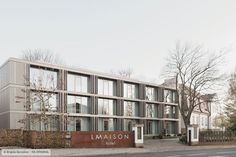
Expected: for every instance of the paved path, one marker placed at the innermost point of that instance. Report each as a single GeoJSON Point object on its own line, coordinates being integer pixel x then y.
{"type": "Point", "coordinates": [151, 146]}
{"type": "Point", "coordinates": [223, 152]}
{"type": "Point", "coordinates": [156, 145]}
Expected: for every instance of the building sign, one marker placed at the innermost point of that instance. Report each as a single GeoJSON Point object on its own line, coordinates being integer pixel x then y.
{"type": "Point", "coordinates": [100, 139]}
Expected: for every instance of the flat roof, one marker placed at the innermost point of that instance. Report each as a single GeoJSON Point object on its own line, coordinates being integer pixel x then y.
{"type": "Point", "coordinates": [85, 71]}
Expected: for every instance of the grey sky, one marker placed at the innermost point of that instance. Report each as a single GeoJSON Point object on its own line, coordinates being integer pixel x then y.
{"type": "Point", "coordinates": [113, 34]}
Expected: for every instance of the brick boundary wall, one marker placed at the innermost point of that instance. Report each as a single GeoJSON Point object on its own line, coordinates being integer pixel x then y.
{"type": "Point", "coordinates": [60, 139]}
{"type": "Point", "coordinates": [33, 139]}
{"type": "Point", "coordinates": [11, 137]}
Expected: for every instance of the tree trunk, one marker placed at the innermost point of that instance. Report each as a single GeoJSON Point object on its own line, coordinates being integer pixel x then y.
{"type": "Point", "coordinates": [186, 123]}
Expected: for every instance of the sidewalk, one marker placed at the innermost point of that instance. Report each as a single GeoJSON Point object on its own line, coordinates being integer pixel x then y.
{"type": "Point", "coordinates": [156, 145]}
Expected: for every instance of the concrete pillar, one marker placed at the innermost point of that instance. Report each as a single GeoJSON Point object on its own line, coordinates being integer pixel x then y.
{"type": "Point", "coordinates": [193, 134]}
{"type": "Point", "coordinates": [138, 135]}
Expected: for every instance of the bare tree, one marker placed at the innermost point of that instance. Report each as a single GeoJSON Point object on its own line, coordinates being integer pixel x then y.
{"type": "Point", "coordinates": [40, 90]}
{"type": "Point", "coordinates": [42, 55]}
{"type": "Point", "coordinates": [41, 105]}
{"type": "Point", "coordinates": [230, 108]}
{"type": "Point", "coordinates": [123, 72]}
{"type": "Point", "coordinates": [194, 73]}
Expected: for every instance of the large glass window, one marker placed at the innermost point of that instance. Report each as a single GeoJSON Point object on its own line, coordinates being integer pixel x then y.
{"type": "Point", "coordinates": [106, 87]}
{"type": "Point", "coordinates": [78, 124]}
{"type": "Point", "coordinates": [41, 101]}
{"type": "Point", "coordinates": [151, 94]}
{"type": "Point", "coordinates": [77, 104]}
{"type": "Point", "coordinates": [129, 123]}
{"type": "Point", "coordinates": [170, 127]}
{"type": "Point", "coordinates": [43, 78]}
{"type": "Point", "coordinates": [106, 106]}
{"type": "Point", "coordinates": [151, 110]}
{"type": "Point", "coordinates": [170, 111]}
{"type": "Point", "coordinates": [50, 123]}
{"type": "Point", "coordinates": [170, 96]}
{"type": "Point", "coordinates": [77, 83]}
{"type": "Point", "coordinates": [131, 109]}
{"type": "Point", "coordinates": [130, 91]}
{"type": "Point", "coordinates": [151, 127]}
{"type": "Point", "coordinates": [106, 124]}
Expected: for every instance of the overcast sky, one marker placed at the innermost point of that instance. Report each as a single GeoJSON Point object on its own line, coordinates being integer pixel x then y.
{"type": "Point", "coordinates": [113, 34]}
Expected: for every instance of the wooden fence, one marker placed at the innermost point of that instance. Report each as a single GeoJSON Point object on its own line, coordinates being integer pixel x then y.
{"type": "Point", "coordinates": [217, 137]}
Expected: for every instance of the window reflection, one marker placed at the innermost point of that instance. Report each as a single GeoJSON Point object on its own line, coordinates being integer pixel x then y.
{"type": "Point", "coordinates": [169, 96]}
{"type": "Point", "coordinates": [152, 127]}
{"type": "Point", "coordinates": [50, 124]}
{"type": "Point", "coordinates": [77, 83]}
{"type": "Point", "coordinates": [170, 127]}
{"type": "Point", "coordinates": [77, 104]}
{"type": "Point", "coordinates": [131, 109]}
{"type": "Point", "coordinates": [151, 110]}
{"type": "Point", "coordinates": [106, 106]}
{"type": "Point", "coordinates": [129, 123]}
{"type": "Point", "coordinates": [106, 124]}
{"type": "Point", "coordinates": [130, 91]}
{"type": "Point", "coordinates": [78, 124]}
{"type": "Point", "coordinates": [150, 94]}
{"type": "Point", "coordinates": [170, 111]}
{"type": "Point", "coordinates": [43, 78]}
{"type": "Point", "coordinates": [106, 87]}
{"type": "Point", "coordinates": [44, 101]}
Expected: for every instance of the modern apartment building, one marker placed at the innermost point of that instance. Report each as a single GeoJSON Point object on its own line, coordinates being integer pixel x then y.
{"type": "Point", "coordinates": [82, 100]}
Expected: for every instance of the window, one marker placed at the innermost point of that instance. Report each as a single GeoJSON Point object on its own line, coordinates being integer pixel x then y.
{"type": "Point", "coordinates": [151, 110]}
{"type": "Point", "coordinates": [198, 120]}
{"type": "Point", "coordinates": [202, 121]}
{"type": "Point", "coordinates": [106, 124]}
{"type": "Point", "coordinates": [106, 87]}
{"type": "Point", "coordinates": [106, 106]}
{"type": "Point", "coordinates": [78, 124]}
{"type": "Point", "coordinates": [170, 127]}
{"type": "Point", "coordinates": [150, 94]}
{"type": "Point", "coordinates": [151, 127]}
{"type": "Point", "coordinates": [130, 91]}
{"type": "Point", "coordinates": [77, 83]}
{"type": "Point", "coordinates": [131, 109]}
{"type": "Point", "coordinates": [129, 123]}
{"type": "Point", "coordinates": [170, 111]}
{"type": "Point", "coordinates": [193, 120]}
{"type": "Point", "coordinates": [43, 78]}
{"type": "Point", "coordinates": [50, 124]}
{"type": "Point", "coordinates": [206, 121]}
{"type": "Point", "coordinates": [174, 97]}
{"type": "Point", "coordinates": [77, 104]}
{"type": "Point", "coordinates": [41, 101]}
{"type": "Point", "coordinates": [167, 96]}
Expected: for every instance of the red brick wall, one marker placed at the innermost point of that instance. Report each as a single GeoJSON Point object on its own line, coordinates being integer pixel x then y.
{"type": "Point", "coordinates": [102, 139]}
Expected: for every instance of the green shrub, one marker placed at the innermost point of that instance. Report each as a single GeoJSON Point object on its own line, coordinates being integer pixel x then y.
{"type": "Point", "coordinates": [183, 139]}
{"type": "Point", "coordinates": [160, 136]}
